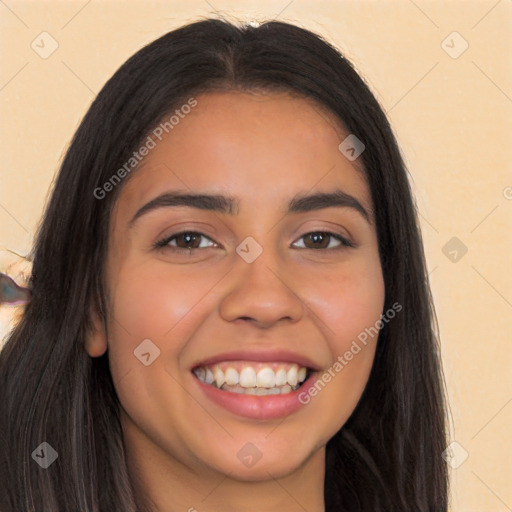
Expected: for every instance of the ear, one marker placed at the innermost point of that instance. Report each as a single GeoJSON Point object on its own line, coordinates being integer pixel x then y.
{"type": "Point", "coordinates": [96, 338]}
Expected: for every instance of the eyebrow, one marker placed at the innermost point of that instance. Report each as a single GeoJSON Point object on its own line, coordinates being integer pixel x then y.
{"type": "Point", "coordinates": [230, 205]}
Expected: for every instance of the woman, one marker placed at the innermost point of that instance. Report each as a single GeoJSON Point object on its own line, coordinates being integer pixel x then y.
{"type": "Point", "coordinates": [230, 308]}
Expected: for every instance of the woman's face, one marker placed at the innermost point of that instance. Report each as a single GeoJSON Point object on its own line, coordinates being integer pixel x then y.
{"type": "Point", "coordinates": [269, 277]}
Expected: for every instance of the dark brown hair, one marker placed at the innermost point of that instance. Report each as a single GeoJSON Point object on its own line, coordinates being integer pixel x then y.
{"type": "Point", "coordinates": [387, 457]}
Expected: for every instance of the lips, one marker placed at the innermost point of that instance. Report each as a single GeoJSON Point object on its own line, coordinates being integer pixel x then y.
{"type": "Point", "coordinates": [259, 385]}
{"type": "Point", "coordinates": [247, 372]}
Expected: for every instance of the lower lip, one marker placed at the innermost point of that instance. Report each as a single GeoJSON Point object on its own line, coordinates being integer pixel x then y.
{"type": "Point", "coordinates": [258, 407]}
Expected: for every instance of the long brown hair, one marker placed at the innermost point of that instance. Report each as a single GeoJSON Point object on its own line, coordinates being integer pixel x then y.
{"type": "Point", "coordinates": [387, 457]}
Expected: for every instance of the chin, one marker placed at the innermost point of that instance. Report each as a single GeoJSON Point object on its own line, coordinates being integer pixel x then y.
{"type": "Point", "coordinates": [250, 464]}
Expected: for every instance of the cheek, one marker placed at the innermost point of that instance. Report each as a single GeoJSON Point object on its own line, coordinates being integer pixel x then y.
{"type": "Point", "coordinates": [149, 302]}
{"type": "Point", "coordinates": [152, 299]}
{"type": "Point", "coordinates": [348, 301]}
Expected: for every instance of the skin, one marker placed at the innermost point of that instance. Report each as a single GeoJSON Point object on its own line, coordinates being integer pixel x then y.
{"type": "Point", "coordinates": [263, 149]}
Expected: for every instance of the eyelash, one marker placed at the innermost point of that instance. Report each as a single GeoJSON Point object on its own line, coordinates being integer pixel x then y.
{"type": "Point", "coordinates": [164, 242]}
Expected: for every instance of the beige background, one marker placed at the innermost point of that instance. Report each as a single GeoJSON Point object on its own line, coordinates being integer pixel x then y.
{"type": "Point", "coordinates": [453, 120]}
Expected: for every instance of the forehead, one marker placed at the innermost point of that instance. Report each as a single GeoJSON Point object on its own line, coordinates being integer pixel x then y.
{"type": "Point", "coordinates": [261, 148]}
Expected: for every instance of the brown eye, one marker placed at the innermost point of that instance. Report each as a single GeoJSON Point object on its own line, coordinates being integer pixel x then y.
{"type": "Point", "coordinates": [318, 240]}
{"type": "Point", "coordinates": [324, 240]}
{"type": "Point", "coordinates": [185, 241]}
{"type": "Point", "coordinates": [188, 239]}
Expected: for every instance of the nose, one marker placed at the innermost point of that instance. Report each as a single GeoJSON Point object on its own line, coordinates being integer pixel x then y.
{"type": "Point", "coordinates": [263, 293]}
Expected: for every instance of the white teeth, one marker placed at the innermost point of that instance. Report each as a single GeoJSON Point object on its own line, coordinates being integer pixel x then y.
{"type": "Point", "coordinates": [231, 376]}
{"type": "Point", "coordinates": [266, 378]}
{"type": "Point", "coordinates": [219, 376]}
{"type": "Point", "coordinates": [258, 380]}
{"type": "Point", "coordinates": [281, 377]}
{"type": "Point", "coordinates": [292, 375]}
{"type": "Point", "coordinates": [248, 377]}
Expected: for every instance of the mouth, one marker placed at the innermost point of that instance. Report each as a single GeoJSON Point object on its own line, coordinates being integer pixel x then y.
{"type": "Point", "coordinates": [254, 378]}
{"type": "Point", "coordinates": [259, 385]}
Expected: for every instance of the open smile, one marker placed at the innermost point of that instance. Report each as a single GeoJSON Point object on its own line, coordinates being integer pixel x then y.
{"type": "Point", "coordinates": [256, 387]}
{"type": "Point", "coordinates": [253, 378]}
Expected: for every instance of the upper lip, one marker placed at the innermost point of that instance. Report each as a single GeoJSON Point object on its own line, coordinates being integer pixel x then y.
{"type": "Point", "coordinates": [273, 355]}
